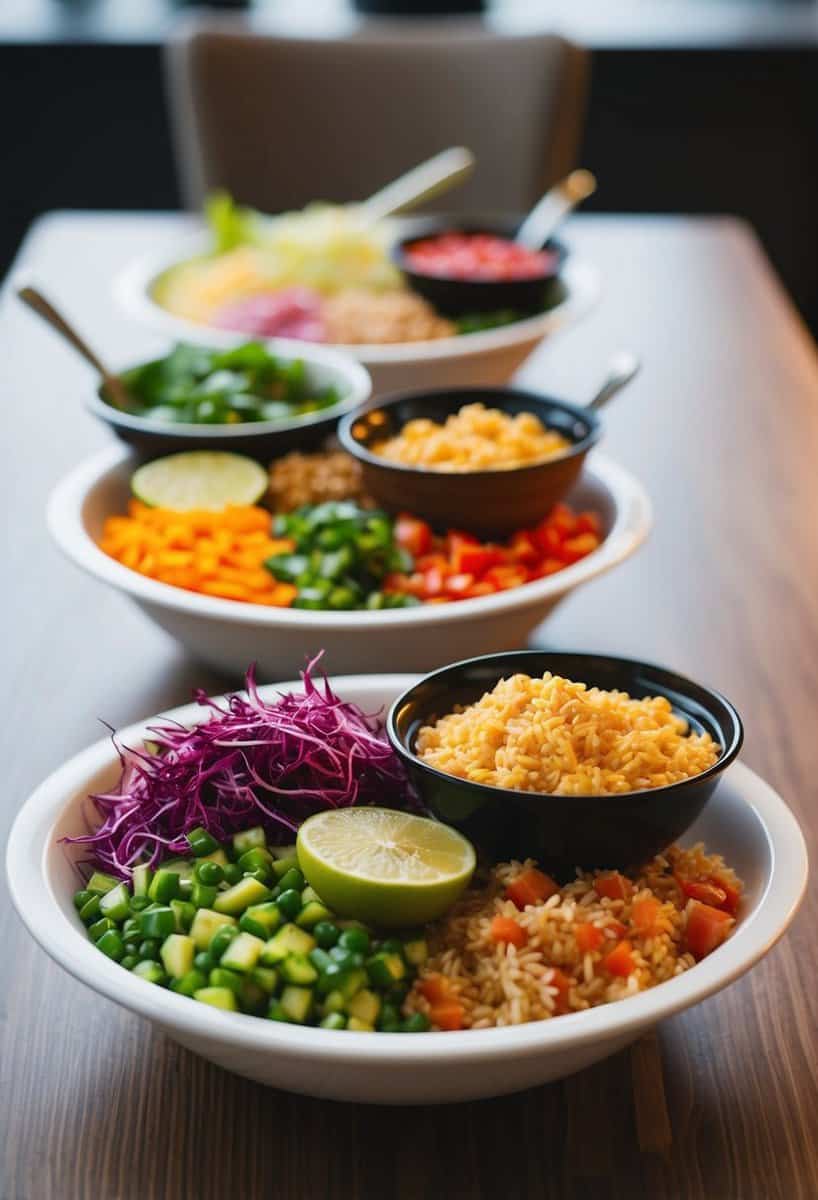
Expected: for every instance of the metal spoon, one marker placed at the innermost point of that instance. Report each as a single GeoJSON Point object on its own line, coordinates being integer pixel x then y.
{"type": "Point", "coordinates": [621, 370]}
{"type": "Point", "coordinates": [556, 204]}
{"type": "Point", "coordinates": [428, 179]}
{"type": "Point", "coordinates": [45, 309]}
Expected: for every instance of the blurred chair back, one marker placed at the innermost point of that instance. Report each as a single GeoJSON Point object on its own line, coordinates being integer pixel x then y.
{"type": "Point", "coordinates": [282, 121]}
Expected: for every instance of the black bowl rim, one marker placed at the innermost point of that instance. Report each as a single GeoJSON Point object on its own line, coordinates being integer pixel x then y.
{"type": "Point", "coordinates": [357, 450]}
{"type": "Point", "coordinates": [398, 256]}
{"type": "Point", "coordinates": [680, 682]}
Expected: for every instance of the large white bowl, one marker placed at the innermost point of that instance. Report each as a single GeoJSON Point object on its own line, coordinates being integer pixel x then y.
{"type": "Point", "coordinates": [746, 821]}
{"type": "Point", "coordinates": [487, 359]}
{"type": "Point", "coordinates": [230, 635]}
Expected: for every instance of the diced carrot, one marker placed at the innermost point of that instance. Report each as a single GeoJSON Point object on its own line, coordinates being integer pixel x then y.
{"type": "Point", "coordinates": [707, 928]}
{"type": "Point", "coordinates": [644, 913]}
{"type": "Point", "coordinates": [615, 928]}
{"type": "Point", "coordinates": [447, 1016]}
{"type": "Point", "coordinates": [704, 890]}
{"type": "Point", "coordinates": [620, 961]}
{"type": "Point", "coordinates": [588, 522]}
{"type": "Point", "coordinates": [589, 937]}
{"type": "Point", "coordinates": [562, 983]}
{"type": "Point", "coordinates": [732, 895]}
{"type": "Point", "coordinates": [575, 548]}
{"type": "Point", "coordinates": [504, 929]}
{"type": "Point", "coordinates": [614, 886]}
{"type": "Point", "coordinates": [436, 989]}
{"type": "Point", "coordinates": [531, 887]}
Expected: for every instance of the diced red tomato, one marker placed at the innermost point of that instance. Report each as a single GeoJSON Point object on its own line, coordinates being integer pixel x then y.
{"type": "Point", "coordinates": [447, 1016]}
{"type": "Point", "coordinates": [707, 928]}
{"type": "Point", "coordinates": [475, 560]}
{"type": "Point", "coordinates": [620, 961]}
{"type": "Point", "coordinates": [704, 890]}
{"type": "Point", "coordinates": [436, 989]}
{"type": "Point", "coordinates": [507, 576]}
{"type": "Point", "coordinates": [575, 548]}
{"type": "Point", "coordinates": [531, 887]}
{"type": "Point", "coordinates": [547, 538]}
{"type": "Point", "coordinates": [588, 522]}
{"type": "Point", "coordinates": [504, 929]}
{"type": "Point", "coordinates": [644, 914]}
{"type": "Point", "coordinates": [412, 534]}
{"type": "Point", "coordinates": [732, 895]}
{"type": "Point", "coordinates": [562, 519]}
{"type": "Point", "coordinates": [589, 937]}
{"type": "Point", "coordinates": [562, 983]}
{"type": "Point", "coordinates": [522, 547]}
{"type": "Point", "coordinates": [614, 886]}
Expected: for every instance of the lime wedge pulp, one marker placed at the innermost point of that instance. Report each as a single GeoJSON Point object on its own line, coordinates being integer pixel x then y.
{"type": "Point", "coordinates": [209, 479]}
{"type": "Point", "coordinates": [384, 867]}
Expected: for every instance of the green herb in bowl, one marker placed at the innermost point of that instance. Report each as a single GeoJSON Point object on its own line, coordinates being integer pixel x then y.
{"type": "Point", "coordinates": [196, 385]}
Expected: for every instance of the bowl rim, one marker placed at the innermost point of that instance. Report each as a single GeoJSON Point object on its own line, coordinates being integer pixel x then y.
{"type": "Point", "coordinates": [356, 379]}
{"type": "Point", "coordinates": [486, 474]}
{"type": "Point", "coordinates": [681, 683]}
{"type": "Point", "coordinates": [133, 285]}
{"type": "Point", "coordinates": [399, 247]}
{"type": "Point", "coordinates": [64, 517]}
{"type": "Point", "coordinates": [36, 904]}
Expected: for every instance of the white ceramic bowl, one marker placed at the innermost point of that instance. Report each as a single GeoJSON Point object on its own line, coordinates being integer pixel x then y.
{"type": "Point", "coordinates": [489, 358]}
{"type": "Point", "coordinates": [230, 635]}
{"type": "Point", "coordinates": [746, 821]}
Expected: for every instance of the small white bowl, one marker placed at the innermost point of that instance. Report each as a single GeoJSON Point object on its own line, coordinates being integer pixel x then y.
{"type": "Point", "coordinates": [230, 635]}
{"type": "Point", "coordinates": [488, 358]}
{"type": "Point", "coordinates": [746, 821]}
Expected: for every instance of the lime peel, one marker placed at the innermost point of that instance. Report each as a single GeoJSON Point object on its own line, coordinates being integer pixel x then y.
{"type": "Point", "coordinates": [199, 479]}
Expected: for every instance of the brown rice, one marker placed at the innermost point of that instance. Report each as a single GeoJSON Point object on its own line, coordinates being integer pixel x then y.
{"type": "Point", "coordinates": [498, 984]}
{"type": "Point", "coordinates": [554, 736]}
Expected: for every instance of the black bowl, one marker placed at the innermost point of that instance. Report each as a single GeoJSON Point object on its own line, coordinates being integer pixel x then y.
{"type": "Point", "coordinates": [458, 297]}
{"type": "Point", "coordinates": [491, 503]}
{"type": "Point", "coordinates": [564, 832]}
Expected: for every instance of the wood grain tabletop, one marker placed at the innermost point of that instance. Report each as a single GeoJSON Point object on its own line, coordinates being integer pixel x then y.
{"type": "Point", "coordinates": [722, 427]}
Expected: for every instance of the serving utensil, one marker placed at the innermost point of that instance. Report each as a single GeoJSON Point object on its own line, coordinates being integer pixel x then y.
{"type": "Point", "coordinates": [621, 370]}
{"type": "Point", "coordinates": [425, 181]}
{"type": "Point", "coordinates": [548, 213]}
{"type": "Point", "coordinates": [111, 382]}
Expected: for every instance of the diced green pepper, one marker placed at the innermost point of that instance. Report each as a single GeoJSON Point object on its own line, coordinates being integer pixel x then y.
{"type": "Point", "coordinates": [157, 922]}
{"type": "Point", "coordinates": [141, 880]}
{"type": "Point", "coordinates": [164, 886]}
{"type": "Point", "coordinates": [100, 883]}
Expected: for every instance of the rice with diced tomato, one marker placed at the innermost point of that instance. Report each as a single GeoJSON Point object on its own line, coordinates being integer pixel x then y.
{"type": "Point", "coordinates": [518, 948]}
{"type": "Point", "coordinates": [555, 736]}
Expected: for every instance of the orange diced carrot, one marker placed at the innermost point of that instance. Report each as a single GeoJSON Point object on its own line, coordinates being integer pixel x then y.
{"type": "Point", "coordinates": [531, 887]}
{"type": "Point", "coordinates": [589, 937]}
{"type": "Point", "coordinates": [448, 1015]}
{"type": "Point", "coordinates": [504, 929]}
{"type": "Point", "coordinates": [614, 886]}
{"type": "Point", "coordinates": [707, 928]}
{"type": "Point", "coordinates": [620, 961]}
{"type": "Point", "coordinates": [644, 913]}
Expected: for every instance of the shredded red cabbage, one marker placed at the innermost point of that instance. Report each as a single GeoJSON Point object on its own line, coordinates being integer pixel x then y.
{"type": "Point", "coordinates": [249, 763]}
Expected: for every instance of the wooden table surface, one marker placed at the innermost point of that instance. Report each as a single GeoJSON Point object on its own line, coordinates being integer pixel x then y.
{"type": "Point", "coordinates": [722, 426]}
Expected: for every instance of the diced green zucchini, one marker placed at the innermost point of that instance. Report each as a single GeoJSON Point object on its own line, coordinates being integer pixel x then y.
{"type": "Point", "coordinates": [90, 909]}
{"type": "Point", "coordinates": [242, 842]}
{"type": "Point", "coordinates": [282, 865]}
{"type": "Point", "coordinates": [164, 886]}
{"type": "Point", "coordinates": [203, 895]}
{"type": "Point", "coordinates": [365, 1005]}
{"type": "Point", "coordinates": [385, 969]}
{"type": "Point", "coordinates": [266, 978]}
{"type": "Point", "coordinates": [223, 977]}
{"type": "Point", "coordinates": [257, 858]}
{"type": "Point", "coordinates": [218, 856]}
{"type": "Point", "coordinates": [142, 876]}
{"type": "Point", "coordinates": [184, 913]}
{"type": "Point", "coordinates": [352, 982]}
{"type": "Point", "coordinates": [334, 1020]}
{"type": "Point", "coordinates": [151, 972]}
{"type": "Point", "coordinates": [309, 894]}
{"type": "Point", "coordinates": [157, 922]}
{"type": "Point", "coordinates": [360, 1026]}
{"type": "Point", "coordinates": [297, 968]}
{"type": "Point", "coordinates": [275, 1012]}
{"type": "Point", "coordinates": [177, 954]}
{"type": "Point", "coordinates": [296, 1002]}
{"type": "Point", "coordinates": [289, 940]}
{"type": "Point", "coordinates": [334, 1002]}
{"type": "Point", "coordinates": [240, 896]}
{"type": "Point", "coordinates": [100, 883]}
{"type": "Point", "coordinates": [312, 913]}
{"type": "Point", "coordinates": [416, 951]}
{"type": "Point", "coordinates": [265, 916]}
{"type": "Point", "coordinates": [205, 925]}
{"type": "Point", "coordinates": [217, 997]}
{"type": "Point", "coordinates": [189, 983]}
{"type": "Point", "coordinates": [182, 867]}
{"type": "Point", "coordinates": [243, 952]}
{"type": "Point", "coordinates": [116, 904]}
{"type": "Point", "coordinates": [252, 998]}
{"type": "Point", "coordinates": [285, 852]}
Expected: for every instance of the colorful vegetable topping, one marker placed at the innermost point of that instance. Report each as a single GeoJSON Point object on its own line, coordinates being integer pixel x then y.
{"type": "Point", "coordinates": [339, 558]}
{"type": "Point", "coordinates": [272, 765]}
{"type": "Point", "coordinates": [385, 867]}
{"type": "Point", "coordinates": [481, 257]}
{"type": "Point", "coordinates": [707, 928]}
{"type": "Point", "coordinates": [225, 387]}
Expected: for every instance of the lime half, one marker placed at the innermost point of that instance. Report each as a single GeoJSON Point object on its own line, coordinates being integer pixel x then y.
{"type": "Point", "coordinates": [209, 479]}
{"type": "Point", "coordinates": [384, 867]}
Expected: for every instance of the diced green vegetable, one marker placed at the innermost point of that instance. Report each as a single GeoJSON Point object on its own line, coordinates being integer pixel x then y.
{"type": "Point", "coordinates": [240, 896]}
{"type": "Point", "coordinates": [151, 972]}
{"type": "Point", "coordinates": [189, 984]}
{"type": "Point", "coordinates": [248, 840]}
{"type": "Point", "coordinates": [100, 883]}
{"type": "Point", "coordinates": [221, 940]}
{"type": "Point", "coordinates": [289, 904]}
{"type": "Point", "coordinates": [201, 842]}
{"type": "Point", "coordinates": [205, 925]}
{"type": "Point", "coordinates": [177, 954]}
{"type": "Point", "coordinates": [292, 879]}
{"type": "Point", "coordinates": [282, 865]}
{"type": "Point", "coordinates": [81, 898]}
{"type": "Point", "coordinates": [416, 1023]}
{"type": "Point", "coordinates": [103, 925]}
{"type": "Point", "coordinates": [208, 873]}
{"type": "Point", "coordinates": [385, 969]}
{"type": "Point", "coordinates": [296, 968]}
{"type": "Point", "coordinates": [289, 940]}
{"type": "Point", "coordinates": [164, 886]}
{"type": "Point", "coordinates": [184, 913]}
{"type": "Point", "coordinates": [116, 903]}
{"type": "Point", "coordinates": [261, 919]}
{"type": "Point", "coordinates": [224, 977]}
{"type": "Point", "coordinates": [218, 997]}
{"type": "Point", "coordinates": [157, 922]}
{"type": "Point", "coordinates": [296, 1002]}
{"type": "Point", "coordinates": [243, 952]}
{"type": "Point", "coordinates": [141, 879]}
{"type": "Point", "coordinates": [266, 978]}
{"type": "Point", "coordinates": [416, 951]}
{"type": "Point", "coordinates": [326, 934]}
{"type": "Point", "coordinates": [203, 895]}
{"type": "Point", "coordinates": [360, 1026]}
{"type": "Point", "coordinates": [365, 1005]}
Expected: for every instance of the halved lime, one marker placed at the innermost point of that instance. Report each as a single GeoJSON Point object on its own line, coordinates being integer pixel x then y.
{"type": "Point", "coordinates": [209, 479]}
{"type": "Point", "coordinates": [384, 867]}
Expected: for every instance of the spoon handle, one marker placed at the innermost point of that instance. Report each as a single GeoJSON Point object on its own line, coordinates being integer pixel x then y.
{"type": "Point", "coordinates": [45, 309]}
{"type": "Point", "coordinates": [428, 179]}
{"type": "Point", "coordinates": [622, 369]}
{"type": "Point", "coordinates": [548, 213]}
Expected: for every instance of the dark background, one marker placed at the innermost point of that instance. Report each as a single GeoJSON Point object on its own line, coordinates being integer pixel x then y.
{"type": "Point", "coordinates": [687, 114]}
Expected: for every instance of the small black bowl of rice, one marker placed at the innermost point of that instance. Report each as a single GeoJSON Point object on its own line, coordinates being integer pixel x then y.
{"type": "Point", "coordinates": [577, 760]}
